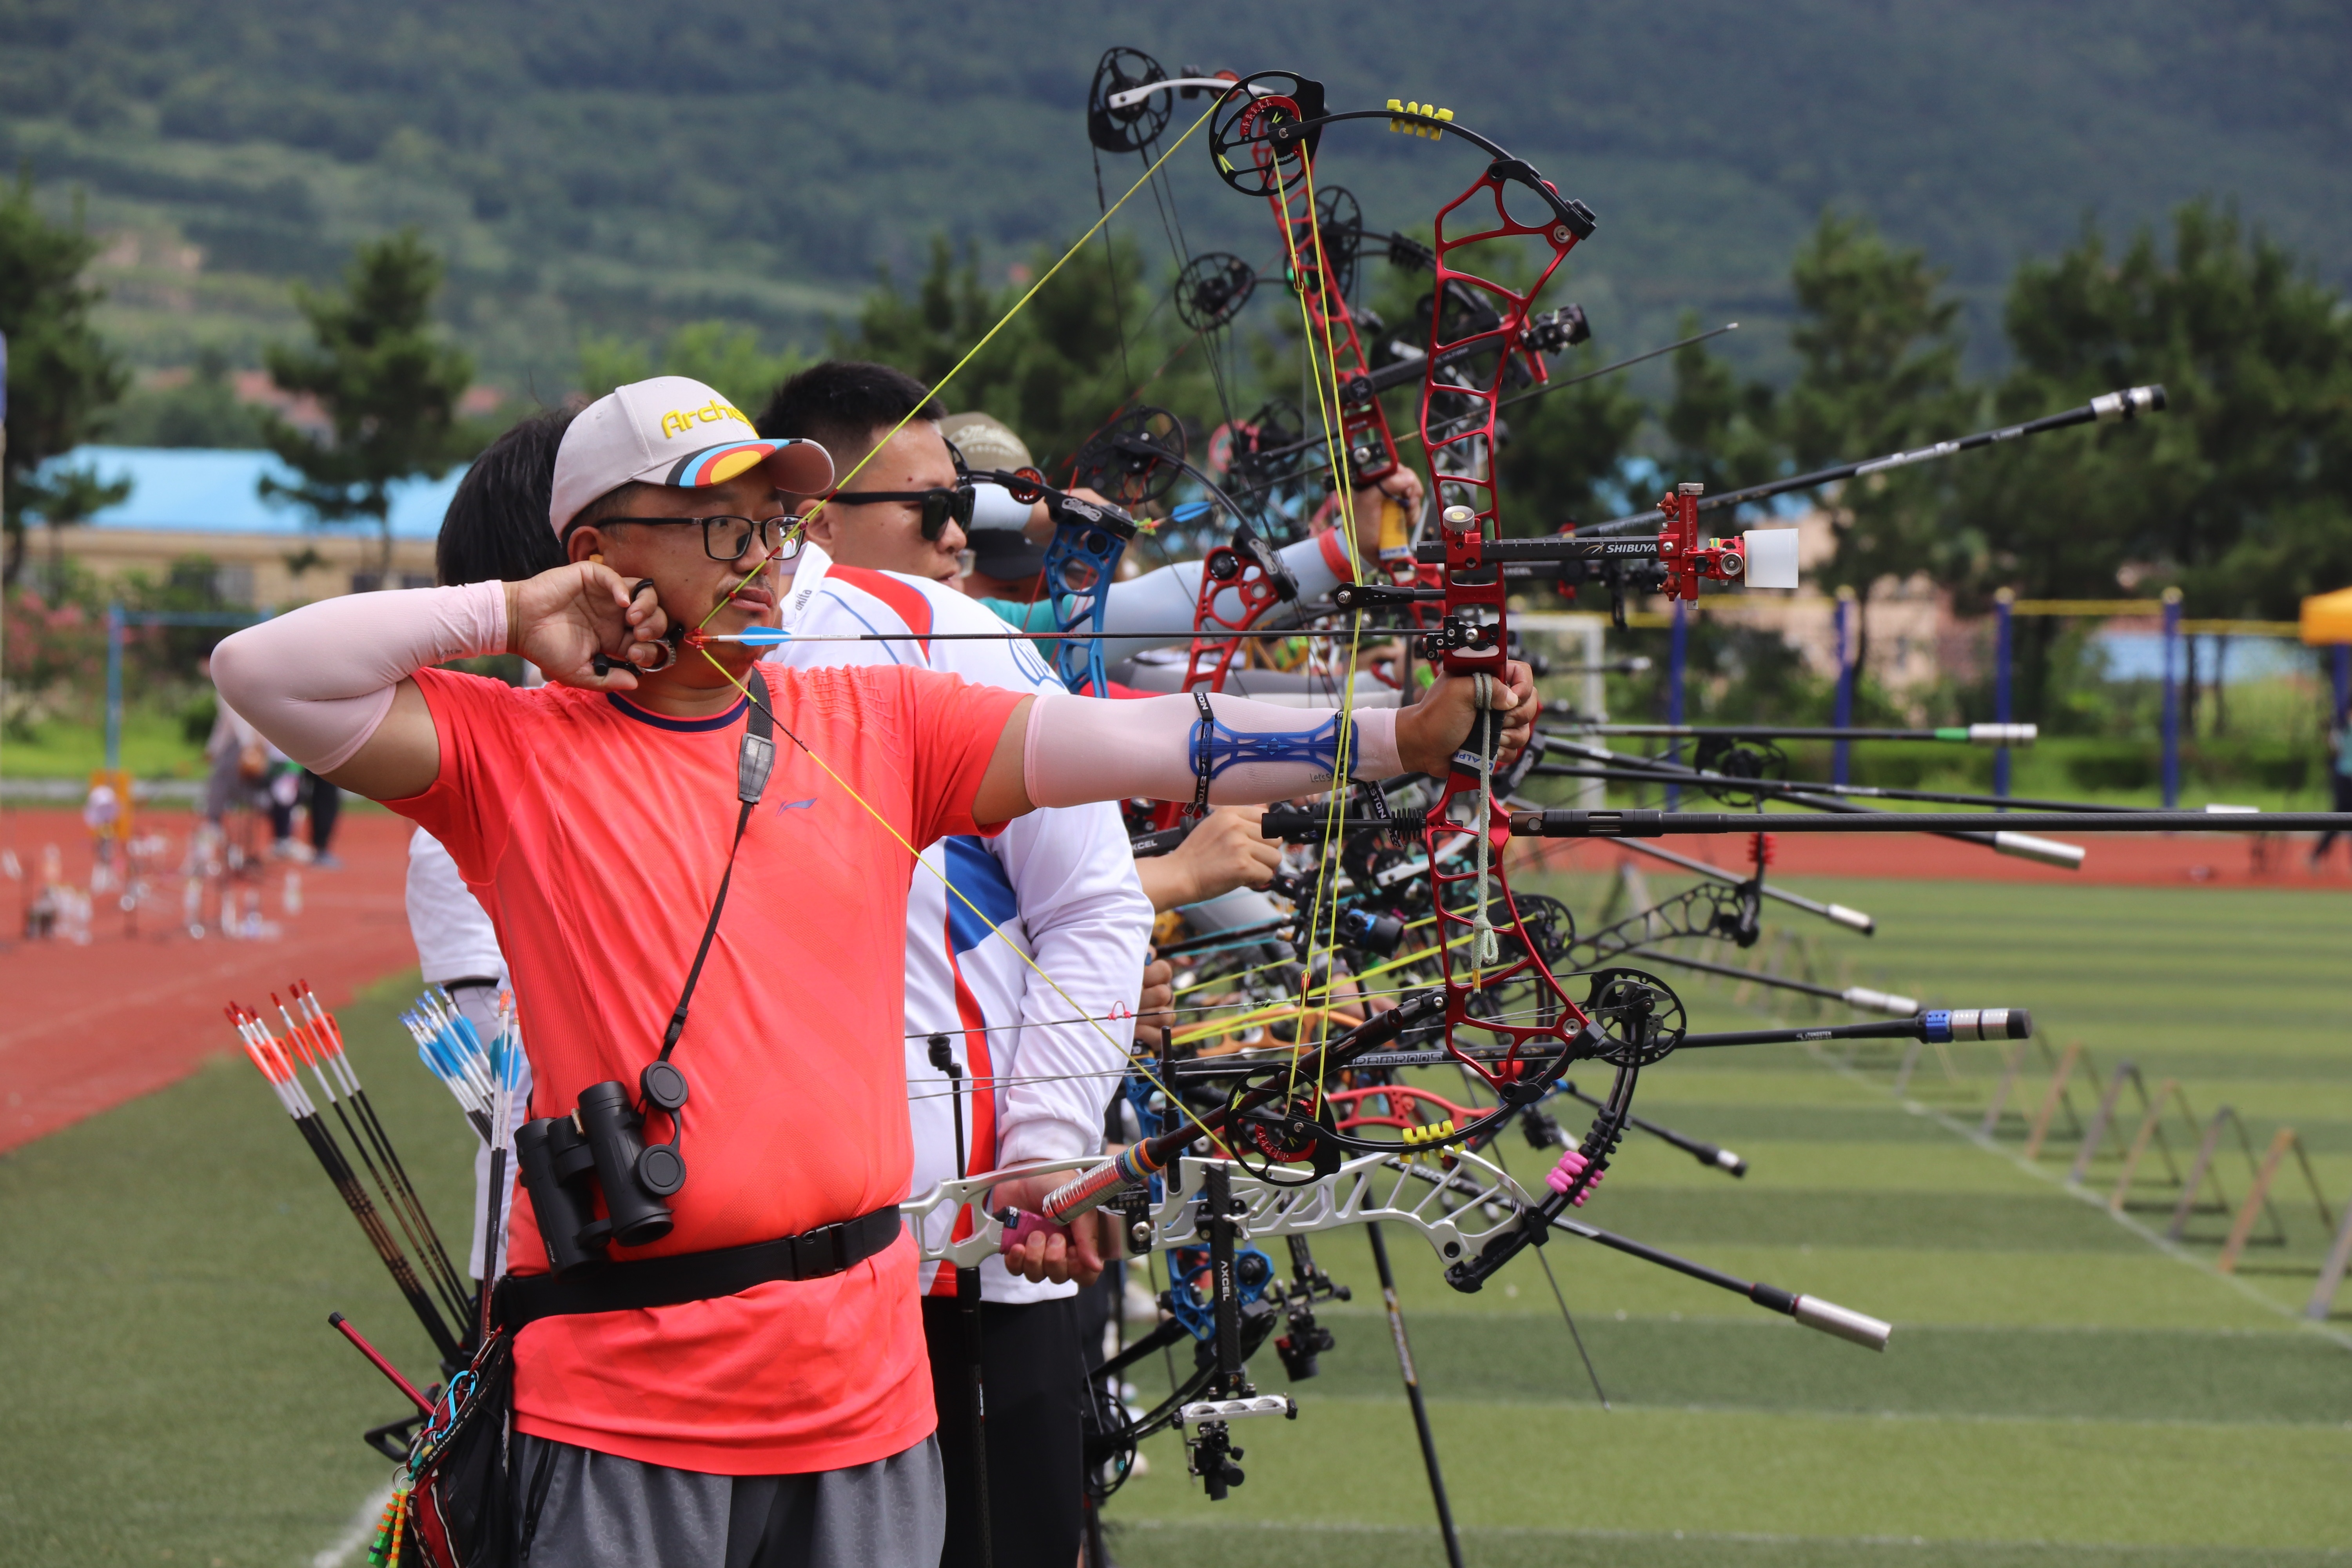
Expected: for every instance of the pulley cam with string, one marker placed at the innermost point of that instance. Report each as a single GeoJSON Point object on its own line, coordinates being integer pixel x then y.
{"type": "Point", "coordinates": [1212, 288]}
{"type": "Point", "coordinates": [1135, 459]}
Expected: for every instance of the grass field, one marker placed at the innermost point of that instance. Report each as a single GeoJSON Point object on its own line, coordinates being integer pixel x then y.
{"type": "Point", "coordinates": [2061, 1390]}
{"type": "Point", "coordinates": [156, 745]}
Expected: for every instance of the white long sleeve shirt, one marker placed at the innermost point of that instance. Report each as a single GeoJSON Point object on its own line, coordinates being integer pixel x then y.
{"type": "Point", "coordinates": [455, 941]}
{"type": "Point", "coordinates": [1059, 884]}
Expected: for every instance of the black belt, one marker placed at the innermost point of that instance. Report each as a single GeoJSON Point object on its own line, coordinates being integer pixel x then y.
{"type": "Point", "coordinates": [698, 1276]}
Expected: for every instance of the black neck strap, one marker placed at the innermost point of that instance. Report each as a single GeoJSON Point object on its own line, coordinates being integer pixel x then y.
{"type": "Point", "coordinates": [759, 750]}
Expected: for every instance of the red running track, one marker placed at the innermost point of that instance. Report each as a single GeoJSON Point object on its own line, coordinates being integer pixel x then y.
{"type": "Point", "coordinates": [88, 1026]}
{"type": "Point", "coordinates": [2114, 859]}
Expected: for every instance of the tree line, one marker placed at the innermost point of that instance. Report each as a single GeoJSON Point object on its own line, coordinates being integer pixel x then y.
{"type": "Point", "coordinates": [2237, 495]}
{"type": "Point", "coordinates": [2240, 495]}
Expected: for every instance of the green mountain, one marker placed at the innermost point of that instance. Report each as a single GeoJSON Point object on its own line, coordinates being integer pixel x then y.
{"type": "Point", "coordinates": [594, 168]}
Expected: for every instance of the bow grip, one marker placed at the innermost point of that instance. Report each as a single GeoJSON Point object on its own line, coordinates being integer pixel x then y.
{"type": "Point", "coordinates": [1485, 741]}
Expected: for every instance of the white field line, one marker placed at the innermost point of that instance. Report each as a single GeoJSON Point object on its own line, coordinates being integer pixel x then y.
{"type": "Point", "coordinates": [356, 1535]}
{"type": "Point", "coordinates": [1146, 1526]}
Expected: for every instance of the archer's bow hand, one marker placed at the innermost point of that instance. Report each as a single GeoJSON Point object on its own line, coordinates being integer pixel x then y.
{"type": "Point", "coordinates": [1156, 1009]}
{"type": "Point", "coordinates": [565, 619]}
{"type": "Point", "coordinates": [1431, 731]}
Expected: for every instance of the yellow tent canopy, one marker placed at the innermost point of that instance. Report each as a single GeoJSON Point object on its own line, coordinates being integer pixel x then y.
{"type": "Point", "coordinates": [2327, 618]}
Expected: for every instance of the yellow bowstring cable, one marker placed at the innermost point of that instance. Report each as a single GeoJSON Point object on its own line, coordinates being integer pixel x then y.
{"type": "Point", "coordinates": [753, 573]}
{"type": "Point", "coordinates": [1323, 992]}
{"type": "Point", "coordinates": [1347, 494]}
{"type": "Point", "coordinates": [986, 338]}
{"type": "Point", "coordinates": [1329, 411]}
{"type": "Point", "coordinates": [957, 893]}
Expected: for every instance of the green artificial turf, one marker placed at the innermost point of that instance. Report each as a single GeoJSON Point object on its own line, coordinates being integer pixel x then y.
{"type": "Point", "coordinates": [2060, 1391]}
{"type": "Point", "coordinates": [174, 1392]}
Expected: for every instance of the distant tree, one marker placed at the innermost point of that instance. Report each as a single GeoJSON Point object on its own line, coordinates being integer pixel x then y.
{"type": "Point", "coordinates": [1563, 455]}
{"type": "Point", "coordinates": [388, 384]}
{"type": "Point", "coordinates": [62, 376]}
{"type": "Point", "coordinates": [723, 356]}
{"type": "Point", "coordinates": [1719, 432]}
{"type": "Point", "coordinates": [925, 331]}
{"type": "Point", "coordinates": [2240, 494]}
{"type": "Point", "coordinates": [1878, 346]}
{"type": "Point", "coordinates": [1088, 345]}
{"type": "Point", "coordinates": [202, 411]}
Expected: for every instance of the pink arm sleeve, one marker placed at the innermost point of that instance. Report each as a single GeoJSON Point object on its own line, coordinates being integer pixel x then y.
{"type": "Point", "coordinates": [319, 680]}
{"type": "Point", "coordinates": [1082, 748]}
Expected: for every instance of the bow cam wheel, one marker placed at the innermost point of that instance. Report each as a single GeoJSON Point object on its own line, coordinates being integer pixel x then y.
{"type": "Point", "coordinates": [1138, 458]}
{"type": "Point", "coordinates": [1137, 126]}
{"type": "Point", "coordinates": [1640, 1013]}
{"type": "Point", "coordinates": [1341, 220]}
{"type": "Point", "coordinates": [1740, 757]}
{"type": "Point", "coordinates": [1259, 140]}
{"type": "Point", "coordinates": [1213, 289]}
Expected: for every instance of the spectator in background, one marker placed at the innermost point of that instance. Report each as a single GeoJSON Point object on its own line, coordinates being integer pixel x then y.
{"type": "Point", "coordinates": [241, 766]}
{"type": "Point", "coordinates": [325, 803]}
{"type": "Point", "coordinates": [283, 793]}
{"type": "Point", "coordinates": [2339, 757]}
{"type": "Point", "coordinates": [1006, 564]}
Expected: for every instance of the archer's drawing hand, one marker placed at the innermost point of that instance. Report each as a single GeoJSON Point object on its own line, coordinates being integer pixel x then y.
{"type": "Point", "coordinates": [1223, 851]}
{"type": "Point", "coordinates": [562, 618]}
{"type": "Point", "coordinates": [1431, 731]}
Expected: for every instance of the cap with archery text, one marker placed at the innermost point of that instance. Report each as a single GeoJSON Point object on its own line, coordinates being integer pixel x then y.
{"type": "Point", "coordinates": [672, 430]}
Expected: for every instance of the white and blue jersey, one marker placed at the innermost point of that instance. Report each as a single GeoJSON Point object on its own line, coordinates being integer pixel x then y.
{"type": "Point", "coordinates": [1059, 884]}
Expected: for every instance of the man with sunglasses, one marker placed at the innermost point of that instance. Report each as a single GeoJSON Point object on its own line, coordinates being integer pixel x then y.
{"type": "Point", "coordinates": [1039, 1058]}
{"type": "Point", "coordinates": [788, 1420]}
{"type": "Point", "coordinates": [903, 503]}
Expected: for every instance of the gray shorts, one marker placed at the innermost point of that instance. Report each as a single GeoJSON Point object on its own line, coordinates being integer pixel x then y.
{"type": "Point", "coordinates": [596, 1509]}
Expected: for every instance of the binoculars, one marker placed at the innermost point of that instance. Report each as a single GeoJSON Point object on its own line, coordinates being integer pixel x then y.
{"type": "Point", "coordinates": [599, 1153]}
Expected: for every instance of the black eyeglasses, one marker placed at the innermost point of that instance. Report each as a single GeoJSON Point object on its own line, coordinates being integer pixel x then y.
{"type": "Point", "coordinates": [729, 538]}
{"type": "Point", "coordinates": [937, 505]}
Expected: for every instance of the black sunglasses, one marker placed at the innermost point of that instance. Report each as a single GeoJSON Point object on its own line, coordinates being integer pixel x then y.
{"type": "Point", "coordinates": [728, 538]}
{"type": "Point", "coordinates": [937, 505]}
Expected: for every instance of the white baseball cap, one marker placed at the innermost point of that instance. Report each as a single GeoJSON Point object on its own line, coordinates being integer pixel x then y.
{"type": "Point", "coordinates": [672, 430]}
